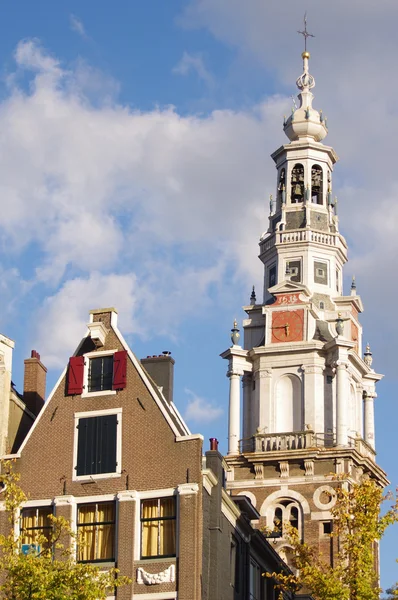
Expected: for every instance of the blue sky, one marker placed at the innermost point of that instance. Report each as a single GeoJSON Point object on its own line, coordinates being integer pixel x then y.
{"type": "Point", "coordinates": [135, 172]}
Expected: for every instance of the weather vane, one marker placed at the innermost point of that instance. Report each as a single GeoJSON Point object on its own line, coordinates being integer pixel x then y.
{"type": "Point", "coordinates": [305, 33]}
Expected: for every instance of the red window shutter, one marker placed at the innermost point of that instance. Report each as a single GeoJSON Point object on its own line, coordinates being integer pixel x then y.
{"type": "Point", "coordinates": [75, 375]}
{"type": "Point", "coordinates": [119, 370]}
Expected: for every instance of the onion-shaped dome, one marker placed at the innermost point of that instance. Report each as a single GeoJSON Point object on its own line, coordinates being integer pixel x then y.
{"type": "Point", "coordinates": [305, 121]}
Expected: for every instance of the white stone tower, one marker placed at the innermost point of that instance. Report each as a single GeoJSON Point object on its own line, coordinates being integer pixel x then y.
{"type": "Point", "coordinates": [308, 391]}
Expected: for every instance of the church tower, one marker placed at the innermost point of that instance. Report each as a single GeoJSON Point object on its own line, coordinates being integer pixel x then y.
{"type": "Point", "coordinates": [308, 390]}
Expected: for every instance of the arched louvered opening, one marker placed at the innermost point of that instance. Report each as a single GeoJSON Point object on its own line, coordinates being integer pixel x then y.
{"type": "Point", "coordinates": [278, 521]}
{"type": "Point", "coordinates": [316, 184]}
{"type": "Point", "coordinates": [294, 517]}
{"type": "Point", "coordinates": [297, 184]}
{"type": "Point", "coordinates": [282, 187]}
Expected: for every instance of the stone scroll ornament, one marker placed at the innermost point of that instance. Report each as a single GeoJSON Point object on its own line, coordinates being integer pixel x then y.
{"type": "Point", "coordinates": [166, 576]}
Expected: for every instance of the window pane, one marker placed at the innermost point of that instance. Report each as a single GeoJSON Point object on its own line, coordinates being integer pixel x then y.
{"type": "Point", "coordinates": [86, 514]}
{"type": "Point", "coordinates": [86, 543]}
{"type": "Point", "coordinates": [100, 374]}
{"type": "Point", "coordinates": [94, 376]}
{"type": "Point", "coordinates": [28, 518]}
{"type": "Point", "coordinates": [167, 507]}
{"type": "Point", "coordinates": [105, 542]}
{"type": "Point", "coordinates": [167, 537]}
{"type": "Point", "coordinates": [150, 531]}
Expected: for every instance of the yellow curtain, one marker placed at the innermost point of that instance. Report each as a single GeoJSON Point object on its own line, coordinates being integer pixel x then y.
{"type": "Point", "coordinates": [105, 533]}
{"type": "Point", "coordinates": [27, 522]}
{"type": "Point", "coordinates": [167, 527]}
{"type": "Point", "coordinates": [150, 528]}
{"type": "Point", "coordinates": [86, 532]}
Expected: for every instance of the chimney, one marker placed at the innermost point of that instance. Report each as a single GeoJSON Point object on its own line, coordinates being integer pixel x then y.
{"type": "Point", "coordinates": [213, 443]}
{"type": "Point", "coordinates": [34, 384]}
{"type": "Point", "coordinates": [161, 369]}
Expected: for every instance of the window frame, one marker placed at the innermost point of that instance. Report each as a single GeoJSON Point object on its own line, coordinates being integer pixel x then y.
{"type": "Point", "coordinates": [98, 413]}
{"type": "Point", "coordinates": [87, 357]}
{"type": "Point", "coordinates": [49, 508]}
{"type": "Point", "coordinates": [159, 519]}
{"type": "Point", "coordinates": [298, 274]}
{"type": "Point", "coordinates": [321, 264]}
{"type": "Point", "coordinates": [95, 524]}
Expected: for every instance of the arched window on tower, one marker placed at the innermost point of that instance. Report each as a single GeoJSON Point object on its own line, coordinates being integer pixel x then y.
{"type": "Point", "coordinates": [297, 184]}
{"type": "Point", "coordinates": [282, 187]}
{"type": "Point", "coordinates": [286, 511]}
{"type": "Point", "coordinates": [317, 184]}
{"type": "Point", "coordinates": [288, 407]}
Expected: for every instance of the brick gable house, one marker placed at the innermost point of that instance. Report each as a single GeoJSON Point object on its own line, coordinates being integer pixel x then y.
{"type": "Point", "coordinates": [110, 452]}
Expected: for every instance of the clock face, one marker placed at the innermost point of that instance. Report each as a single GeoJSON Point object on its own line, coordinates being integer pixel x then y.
{"type": "Point", "coordinates": [287, 326]}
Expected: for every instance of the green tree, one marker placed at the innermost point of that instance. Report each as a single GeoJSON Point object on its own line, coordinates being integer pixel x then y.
{"type": "Point", "coordinates": [52, 573]}
{"type": "Point", "coordinates": [357, 526]}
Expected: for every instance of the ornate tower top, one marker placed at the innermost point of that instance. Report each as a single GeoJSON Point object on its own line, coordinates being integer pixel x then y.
{"type": "Point", "coordinates": [305, 121]}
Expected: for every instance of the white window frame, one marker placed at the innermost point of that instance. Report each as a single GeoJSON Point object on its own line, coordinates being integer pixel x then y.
{"type": "Point", "coordinates": [148, 495]}
{"type": "Point", "coordinates": [30, 504]}
{"type": "Point", "coordinates": [87, 357]}
{"type": "Point", "coordinates": [99, 413]}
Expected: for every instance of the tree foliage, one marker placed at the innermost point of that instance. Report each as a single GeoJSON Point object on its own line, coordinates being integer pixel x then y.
{"type": "Point", "coordinates": [52, 573]}
{"type": "Point", "coordinates": [357, 527]}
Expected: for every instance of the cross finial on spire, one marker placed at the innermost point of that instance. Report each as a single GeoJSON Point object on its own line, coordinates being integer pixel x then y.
{"type": "Point", "coordinates": [305, 33]}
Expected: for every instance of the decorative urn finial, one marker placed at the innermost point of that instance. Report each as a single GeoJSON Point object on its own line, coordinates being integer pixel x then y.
{"type": "Point", "coordinates": [339, 324]}
{"type": "Point", "coordinates": [235, 335]}
{"type": "Point", "coordinates": [253, 298]}
{"type": "Point", "coordinates": [353, 286]}
{"type": "Point", "coordinates": [367, 356]}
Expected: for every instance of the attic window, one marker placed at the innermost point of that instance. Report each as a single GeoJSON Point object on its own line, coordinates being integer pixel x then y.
{"type": "Point", "coordinates": [100, 374]}
{"type": "Point", "coordinates": [97, 373]}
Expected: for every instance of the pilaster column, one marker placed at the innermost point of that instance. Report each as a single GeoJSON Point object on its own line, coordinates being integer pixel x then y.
{"type": "Point", "coordinates": [247, 383]}
{"type": "Point", "coordinates": [65, 506]}
{"type": "Point", "coordinates": [342, 377]}
{"type": "Point", "coordinates": [189, 542]}
{"type": "Point", "coordinates": [234, 411]}
{"type": "Point", "coordinates": [369, 418]}
{"type": "Point", "coordinates": [128, 504]}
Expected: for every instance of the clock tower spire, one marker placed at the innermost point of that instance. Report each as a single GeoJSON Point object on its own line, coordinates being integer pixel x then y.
{"type": "Point", "coordinates": [308, 390]}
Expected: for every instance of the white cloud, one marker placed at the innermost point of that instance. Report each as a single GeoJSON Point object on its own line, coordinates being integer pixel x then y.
{"type": "Point", "coordinates": [77, 26]}
{"type": "Point", "coordinates": [67, 311]}
{"type": "Point", "coordinates": [191, 62]}
{"type": "Point", "coordinates": [199, 410]}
